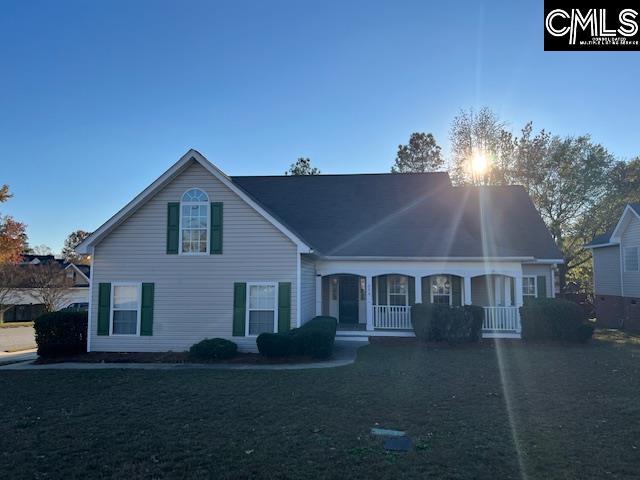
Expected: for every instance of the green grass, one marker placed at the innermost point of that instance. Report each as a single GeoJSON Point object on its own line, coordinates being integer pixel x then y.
{"type": "Point", "coordinates": [517, 411]}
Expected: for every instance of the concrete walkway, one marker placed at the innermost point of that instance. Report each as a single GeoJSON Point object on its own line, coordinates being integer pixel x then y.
{"type": "Point", "coordinates": [27, 356]}
{"type": "Point", "coordinates": [344, 353]}
{"type": "Point", "coordinates": [13, 339]}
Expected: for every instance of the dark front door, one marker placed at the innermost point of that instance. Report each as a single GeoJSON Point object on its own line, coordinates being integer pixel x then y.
{"type": "Point", "coordinates": [348, 308]}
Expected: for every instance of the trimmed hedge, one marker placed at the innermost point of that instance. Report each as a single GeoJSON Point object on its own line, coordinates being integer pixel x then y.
{"type": "Point", "coordinates": [315, 339]}
{"type": "Point", "coordinates": [554, 319]}
{"type": "Point", "coordinates": [442, 323]}
{"type": "Point", "coordinates": [275, 344]}
{"type": "Point", "coordinates": [213, 348]}
{"type": "Point", "coordinates": [61, 333]}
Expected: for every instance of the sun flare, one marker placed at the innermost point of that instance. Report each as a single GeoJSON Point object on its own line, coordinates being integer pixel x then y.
{"type": "Point", "coordinates": [479, 163]}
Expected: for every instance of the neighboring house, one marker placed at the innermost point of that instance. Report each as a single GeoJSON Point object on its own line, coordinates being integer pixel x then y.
{"type": "Point", "coordinates": [616, 272]}
{"type": "Point", "coordinates": [200, 254]}
{"type": "Point", "coordinates": [25, 307]}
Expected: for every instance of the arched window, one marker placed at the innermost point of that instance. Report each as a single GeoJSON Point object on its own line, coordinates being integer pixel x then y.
{"type": "Point", "coordinates": [194, 222]}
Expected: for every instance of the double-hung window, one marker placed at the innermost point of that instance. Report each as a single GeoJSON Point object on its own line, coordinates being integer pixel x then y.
{"type": "Point", "coordinates": [125, 309]}
{"type": "Point", "coordinates": [194, 222]}
{"type": "Point", "coordinates": [631, 261]}
{"type": "Point", "coordinates": [262, 308]}
{"type": "Point", "coordinates": [398, 288]}
{"type": "Point", "coordinates": [441, 289]}
{"type": "Point", "coordinates": [529, 287]}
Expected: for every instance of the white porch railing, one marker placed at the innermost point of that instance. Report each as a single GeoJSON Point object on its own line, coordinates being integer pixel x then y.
{"type": "Point", "coordinates": [501, 319]}
{"type": "Point", "coordinates": [392, 317]}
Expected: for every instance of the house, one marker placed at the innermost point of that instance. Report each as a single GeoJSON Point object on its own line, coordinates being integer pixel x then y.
{"type": "Point", "coordinates": [26, 307]}
{"type": "Point", "coordinates": [200, 254]}
{"type": "Point", "coordinates": [616, 272]}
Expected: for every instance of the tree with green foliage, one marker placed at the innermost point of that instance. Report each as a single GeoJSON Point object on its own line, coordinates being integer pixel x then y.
{"type": "Point", "coordinates": [421, 154]}
{"type": "Point", "coordinates": [302, 166]}
{"type": "Point", "coordinates": [69, 250]}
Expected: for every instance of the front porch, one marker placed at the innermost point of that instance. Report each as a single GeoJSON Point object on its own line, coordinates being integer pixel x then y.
{"type": "Point", "coordinates": [380, 305]}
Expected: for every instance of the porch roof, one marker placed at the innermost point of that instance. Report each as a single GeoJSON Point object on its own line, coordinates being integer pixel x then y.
{"type": "Point", "coordinates": [404, 215]}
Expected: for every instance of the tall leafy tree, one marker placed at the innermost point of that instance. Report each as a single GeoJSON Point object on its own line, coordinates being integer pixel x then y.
{"type": "Point", "coordinates": [481, 134]}
{"type": "Point", "coordinates": [567, 178]}
{"type": "Point", "coordinates": [421, 154]}
{"type": "Point", "coordinates": [302, 166]}
{"type": "Point", "coordinates": [13, 237]}
{"type": "Point", "coordinates": [71, 242]}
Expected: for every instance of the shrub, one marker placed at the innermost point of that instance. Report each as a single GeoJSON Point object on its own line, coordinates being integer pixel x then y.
{"type": "Point", "coordinates": [432, 322]}
{"type": "Point", "coordinates": [554, 319]}
{"type": "Point", "coordinates": [275, 344]}
{"type": "Point", "coordinates": [213, 348]}
{"type": "Point", "coordinates": [315, 338]}
{"type": "Point", "coordinates": [61, 333]}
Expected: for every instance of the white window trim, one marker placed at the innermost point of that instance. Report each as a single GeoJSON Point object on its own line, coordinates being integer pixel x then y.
{"type": "Point", "coordinates": [248, 310]}
{"type": "Point", "coordinates": [624, 259]}
{"type": "Point", "coordinates": [138, 285]}
{"type": "Point", "coordinates": [535, 286]}
{"type": "Point", "coordinates": [406, 295]}
{"type": "Point", "coordinates": [450, 289]}
{"type": "Point", "coordinates": [207, 204]}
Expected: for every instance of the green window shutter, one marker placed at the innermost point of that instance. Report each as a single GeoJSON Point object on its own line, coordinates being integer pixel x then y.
{"type": "Point", "coordinates": [426, 289]}
{"type": "Point", "coordinates": [173, 225]}
{"type": "Point", "coordinates": [412, 291]}
{"type": "Point", "coordinates": [456, 291]}
{"type": "Point", "coordinates": [215, 243]}
{"type": "Point", "coordinates": [146, 315]}
{"type": "Point", "coordinates": [542, 286]}
{"type": "Point", "coordinates": [239, 308]}
{"type": "Point", "coordinates": [104, 308]}
{"type": "Point", "coordinates": [284, 307]}
{"type": "Point", "coordinates": [382, 290]}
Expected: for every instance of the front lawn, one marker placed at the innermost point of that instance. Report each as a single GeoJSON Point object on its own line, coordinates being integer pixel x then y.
{"type": "Point", "coordinates": [512, 411]}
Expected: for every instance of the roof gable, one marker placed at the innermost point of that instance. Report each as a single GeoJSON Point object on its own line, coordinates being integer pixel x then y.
{"type": "Point", "coordinates": [175, 170]}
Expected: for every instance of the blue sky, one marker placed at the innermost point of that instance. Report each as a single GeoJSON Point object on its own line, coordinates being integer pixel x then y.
{"type": "Point", "coordinates": [97, 99]}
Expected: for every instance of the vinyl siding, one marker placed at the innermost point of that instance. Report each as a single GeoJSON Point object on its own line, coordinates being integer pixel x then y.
{"type": "Point", "coordinates": [606, 270]}
{"type": "Point", "coordinates": [307, 289]}
{"type": "Point", "coordinates": [536, 271]}
{"type": "Point", "coordinates": [193, 294]}
{"type": "Point", "coordinates": [631, 238]}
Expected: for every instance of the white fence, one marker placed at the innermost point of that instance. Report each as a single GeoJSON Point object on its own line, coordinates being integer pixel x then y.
{"type": "Point", "coordinates": [501, 319]}
{"type": "Point", "coordinates": [392, 317]}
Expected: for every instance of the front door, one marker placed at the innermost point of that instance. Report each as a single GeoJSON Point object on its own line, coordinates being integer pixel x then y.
{"type": "Point", "coordinates": [348, 307]}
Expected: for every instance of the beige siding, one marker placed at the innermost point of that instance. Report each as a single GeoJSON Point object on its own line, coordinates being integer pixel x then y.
{"type": "Point", "coordinates": [193, 294]}
{"type": "Point", "coordinates": [307, 289]}
{"type": "Point", "coordinates": [539, 270]}
{"type": "Point", "coordinates": [631, 238]}
{"type": "Point", "coordinates": [606, 270]}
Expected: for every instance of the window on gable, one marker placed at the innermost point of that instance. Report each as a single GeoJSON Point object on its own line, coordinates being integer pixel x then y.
{"type": "Point", "coordinates": [125, 309]}
{"type": "Point", "coordinates": [194, 222]}
{"type": "Point", "coordinates": [631, 262]}
{"type": "Point", "coordinates": [261, 311]}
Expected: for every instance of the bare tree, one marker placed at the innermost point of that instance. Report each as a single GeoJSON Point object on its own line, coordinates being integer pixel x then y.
{"type": "Point", "coordinates": [10, 283]}
{"type": "Point", "coordinates": [49, 285]}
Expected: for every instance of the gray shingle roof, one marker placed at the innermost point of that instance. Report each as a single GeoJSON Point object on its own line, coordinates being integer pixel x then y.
{"type": "Point", "coordinates": [601, 239]}
{"type": "Point", "coordinates": [403, 215]}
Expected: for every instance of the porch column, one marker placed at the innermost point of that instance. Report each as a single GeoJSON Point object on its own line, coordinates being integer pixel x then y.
{"type": "Point", "coordinates": [519, 299]}
{"type": "Point", "coordinates": [417, 281]}
{"type": "Point", "coordinates": [318, 295]}
{"type": "Point", "coordinates": [467, 290]}
{"type": "Point", "coordinates": [369, 301]}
